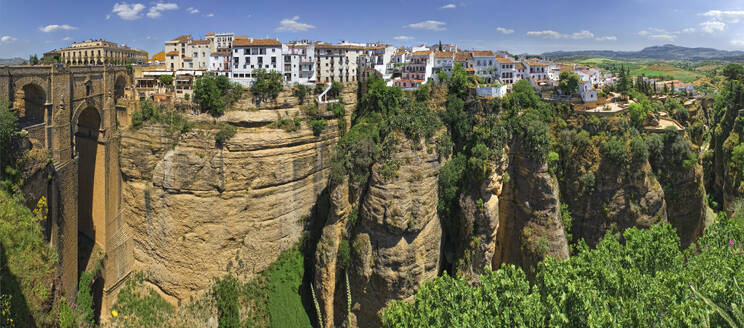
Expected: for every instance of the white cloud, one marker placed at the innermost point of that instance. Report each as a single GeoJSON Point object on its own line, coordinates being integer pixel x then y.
{"type": "Point", "coordinates": [430, 25]}
{"type": "Point", "coordinates": [712, 26]}
{"type": "Point", "coordinates": [210, 15]}
{"type": "Point", "coordinates": [689, 30]}
{"type": "Point", "coordinates": [666, 37]}
{"type": "Point", "coordinates": [550, 34]}
{"type": "Point", "coordinates": [148, 38]}
{"type": "Point", "coordinates": [192, 10]}
{"type": "Point", "coordinates": [108, 17]}
{"type": "Point", "coordinates": [449, 6]}
{"type": "Point", "coordinates": [7, 39]}
{"type": "Point", "coordinates": [67, 38]}
{"type": "Point", "coordinates": [505, 30]}
{"type": "Point", "coordinates": [293, 25]}
{"type": "Point", "coordinates": [128, 12]}
{"type": "Point", "coordinates": [403, 37]}
{"type": "Point", "coordinates": [606, 38]}
{"type": "Point", "coordinates": [55, 27]}
{"type": "Point", "coordinates": [728, 16]}
{"type": "Point", "coordinates": [738, 43]}
{"type": "Point", "coordinates": [156, 10]}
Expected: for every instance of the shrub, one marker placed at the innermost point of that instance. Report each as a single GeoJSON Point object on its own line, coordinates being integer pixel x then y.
{"type": "Point", "coordinates": [553, 161]}
{"type": "Point", "coordinates": [423, 93]}
{"type": "Point", "coordinates": [638, 150]}
{"type": "Point", "coordinates": [289, 125]}
{"type": "Point", "coordinates": [187, 96]}
{"type": "Point", "coordinates": [267, 85]}
{"type": "Point", "coordinates": [166, 80]}
{"type": "Point", "coordinates": [225, 133]}
{"type": "Point", "coordinates": [637, 114]}
{"type": "Point", "coordinates": [300, 91]}
{"type": "Point", "coordinates": [226, 291]}
{"type": "Point", "coordinates": [336, 88]}
{"type": "Point", "coordinates": [614, 151]}
{"type": "Point", "coordinates": [586, 181]}
{"type": "Point", "coordinates": [344, 254]}
{"type": "Point", "coordinates": [535, 136]}
{"type": "Point", "coordinates": [8, 125]}
{"type": "Point", "coordinates": [317, 126]}
{"type": "Point", "coordinates": [337, 109]}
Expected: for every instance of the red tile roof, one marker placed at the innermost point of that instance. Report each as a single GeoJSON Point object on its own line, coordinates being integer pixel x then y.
{"type": "Point", "coordinates": [483, 53]}
{"type": "Point", "coordinates": [503, 60]}
{"type": "Point", "coordinates": [421, 53]}
{"type": "Point", "coordinates": [255, 42]}
{"type": "Point", "coordinates": [444, 54]}
{"type": "Point", "coordinates": [183, 38]}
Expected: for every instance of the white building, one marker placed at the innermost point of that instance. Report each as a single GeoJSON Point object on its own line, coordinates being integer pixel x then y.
{"type": "Point", "coordinates": [417, 71]}
{"type": "Point", "coordinates": [219, 63]}
{"type": "Point", "coordinates": [537, 71]}
{"type": "Point", "coordinates": [444, 61]}
{"type": "Point", "coordinates": [484, 64]}
{"type": "Point", "coordinates": [378, 57]}
{"type": "Point", "coordinates": [444, 47]}
{"type": "Point", "coordinates": [299, 63]}
{"type": "Point", "coordinates": [506, 70]}
{"type": "Point", "coordinates": [495, 91]}
{"type": "Point", "coordinates": [337, 62]}
{"type": "Point", "coordinates": [587, 92]}
{"type": "Point", "coordinates": [249, 54]}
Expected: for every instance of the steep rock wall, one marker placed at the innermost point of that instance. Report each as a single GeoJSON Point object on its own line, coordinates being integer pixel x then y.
{"type": "Point", "coordinates": [195, 210]}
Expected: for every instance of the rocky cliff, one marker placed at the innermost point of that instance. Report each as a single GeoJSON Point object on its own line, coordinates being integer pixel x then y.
{"type": "Point", "coordinates": [196, 210]}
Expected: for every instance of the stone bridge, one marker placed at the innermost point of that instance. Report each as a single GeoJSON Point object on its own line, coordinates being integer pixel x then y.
{"type": "Point", "coordinates": [72, 114]}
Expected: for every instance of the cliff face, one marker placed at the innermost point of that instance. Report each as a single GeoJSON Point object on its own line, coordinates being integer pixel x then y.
{"type": "Point", "coordinates": [531, 226]}
{"type": "Point", "coordinates": [619, 199]}
{"type": "Point", "coordinates": [396, 246]}
{"type": "Point", "coordinates": [195, 211]}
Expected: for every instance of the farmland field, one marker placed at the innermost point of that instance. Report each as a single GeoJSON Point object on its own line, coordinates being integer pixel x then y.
{"type": "Point", "coordinates": [667, 70]}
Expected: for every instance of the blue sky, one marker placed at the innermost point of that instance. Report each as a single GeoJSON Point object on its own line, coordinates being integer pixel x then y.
{"type": "Point", "coordinates": [35, 26]}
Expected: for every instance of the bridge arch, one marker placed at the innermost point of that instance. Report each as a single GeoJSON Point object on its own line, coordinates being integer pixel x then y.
{"type": "Point", "coordinates": [29, 98]}
{"type": "Point", "coordinates": [121, 82]}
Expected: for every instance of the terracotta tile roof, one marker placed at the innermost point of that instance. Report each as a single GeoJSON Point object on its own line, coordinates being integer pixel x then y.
{"type": "Point", "coordinates": [376, 47]}
{"type": "Point", "coordinates": [255, 42]}
{"type": "Point", "coordinates": [210, 34]}
{"type": "Point", "coordinates": [200, 42]}
{"type": "Point", "coordinates": [172, 53]}
{"type": "Point", "coordinates": [444, 54]}
{"type": "Point", "coordinates": [470, 69]}
{"type": "Point", "coordinates": [463, 56]}
{"type": "Point", "coordinates": [159, 56]}
{"type": "Point", "coordinates": [534, 63]}
{"type": "Point", "coordinates": [520, 66]}
{"type": "Point", "coordinates": [220, 53]}
{"type": "Point", "coordinates": [400, 53]}
{"type": "Point", "coordinates": [323, 45]}
{"type": "Point", "coordinates": [483, 53]}
{"type": "Point", "coordinates": [183, 38]}
{"type": "Point", "coordinates": [421, 53]}
{"type": "Point", "coordinates": [503, 60]}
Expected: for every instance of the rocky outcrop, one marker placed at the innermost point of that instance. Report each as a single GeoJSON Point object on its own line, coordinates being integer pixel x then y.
{"type": "Point", "coordinates": [195, 210]}
{"type": "Point", "coordinates": [530, 218]}
{"type": "Point", "coordinates": [620, 198]}
{"type": "Point", "coordinates": [396, 246]}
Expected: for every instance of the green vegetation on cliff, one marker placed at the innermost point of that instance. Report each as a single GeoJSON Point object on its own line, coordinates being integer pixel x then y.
{"type": "Point", "coordinates": [28, 265]}
{"type": "Point", "coordinates": [642, 281]}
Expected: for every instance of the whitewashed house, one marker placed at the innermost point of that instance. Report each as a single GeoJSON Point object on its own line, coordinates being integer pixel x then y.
{"type": "Point", "coordinates": [506, 70]}
{"type": "Point", "coordinates": [484, 64]}
{"type": "Point", "coordinates": [299, 63]}
{"type": "Point", "coordinates": [219, 63]}
{"type": "Point", "coordinates": [444, 61]}
{"type": "Point", "coordinates": [417, 71]}
{"type": "Point", "coordinates": [587, 92]}
{"type": "Point", "coordinates": [249, 55]}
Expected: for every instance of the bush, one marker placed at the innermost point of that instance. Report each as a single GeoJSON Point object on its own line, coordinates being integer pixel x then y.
{"type": "Point", "coordinates": [638, 150]}
{"type": "Point", "coordinates": [338, 110]}
{"type": "Point", "coordinates": [289, 125]}
{"type": "Point", "coordinates": [166, 80]}
{"type": "Point", "coordinates": [214, 93]}
{"type": "Point", "coordinates": [535, 136]}
{"type": "Point", "coordinates": [423, 93]}
{"type": "Point", "coordinates": [553, 161]}
{"type": "Point", "coordinates": [344, 254]}
{"type": "Point", "coordinates": [317, 126]}
{"type": "Point", "coordinates": [226, 291]}
{"type": "Point", "coordinates": [336, 88]}
{"type": "Point", "coordinates": [8, 126]}
{"type": "Point", "coordinates": [613, 150]}
{"type": "Point", "coordinates": [301, 91]}
{"type": "Point", "coordinates": [637, 114]}
{"type": "Point", "coordinates": [267, 85]}
{"type": "Point", "coordinates": [587, 183]}
{"type": "Point", "coordinates": [225, 133]}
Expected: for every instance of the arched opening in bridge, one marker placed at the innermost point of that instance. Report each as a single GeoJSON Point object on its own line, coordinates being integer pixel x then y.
{"type": "Point", "coordinates": [34, 99]}
{"type": "Point", "coordinates": [119, 86]}
{"type": "Point", "coordinates": [91, 156]}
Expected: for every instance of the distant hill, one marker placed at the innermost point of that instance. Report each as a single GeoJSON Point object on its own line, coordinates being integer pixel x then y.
{"type": "Point", "coordinates": [667, 52]}
{"type": "Point", "coordinates": [11, 61]}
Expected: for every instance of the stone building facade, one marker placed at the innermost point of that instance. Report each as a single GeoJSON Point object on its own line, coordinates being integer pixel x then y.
{"type": "Point", "coordinates": [100, 52]}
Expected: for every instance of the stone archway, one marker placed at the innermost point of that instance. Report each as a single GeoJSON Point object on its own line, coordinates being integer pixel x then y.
{"type": "Point", "coordinates": [120, 85]}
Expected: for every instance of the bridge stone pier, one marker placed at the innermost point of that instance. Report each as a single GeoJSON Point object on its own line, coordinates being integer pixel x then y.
{"type": "Point", "coordinates": [70, 113]}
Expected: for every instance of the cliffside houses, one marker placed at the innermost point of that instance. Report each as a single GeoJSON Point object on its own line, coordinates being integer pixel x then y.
{"type": "Point", "coordinates": [417, 70]}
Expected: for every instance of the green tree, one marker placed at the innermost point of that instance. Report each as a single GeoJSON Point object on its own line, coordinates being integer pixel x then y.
{"type": "Point", "coordinates": [637, 114]}
{"type": "Point", "coordinates": [166, 80]}
{"type": "Point", "coordinates": [458, 82]}
{"type": "Point", "coordinates": [336, 88]}
{"type": "Point", "coordinates": [33, 60]}
{"type": "Point", "coordinates": [8, 126]}
{"type": "Point", "coordinates": [301, 91]}
{"type": "Point", "coordinates": [208, 95]}
{"type": "Point", "coordinates": [733, 71]}
{"type": "Point", "coordinates": [267, 85]}
{"type": "Point", "coordinates": [569, 82]}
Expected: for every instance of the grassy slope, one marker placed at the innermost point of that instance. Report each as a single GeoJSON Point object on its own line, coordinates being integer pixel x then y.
{"type": "Point", "coordinates": [285, 300]}
{"type": "Point", "coordinates": [649, 67]}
